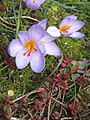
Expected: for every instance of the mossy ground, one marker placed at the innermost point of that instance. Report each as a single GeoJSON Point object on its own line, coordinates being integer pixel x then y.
{"type": "Point", "coordinates": [25, 80]}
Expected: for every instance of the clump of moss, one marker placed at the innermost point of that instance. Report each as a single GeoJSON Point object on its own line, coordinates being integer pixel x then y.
{"type": "Point", "coordinates": [23, 81]}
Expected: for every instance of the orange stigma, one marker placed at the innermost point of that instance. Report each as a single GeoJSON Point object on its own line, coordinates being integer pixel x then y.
{"type": "Point", "coordinates": [30, 46]}
{"type": "Point", "coordinates": [65, 28]}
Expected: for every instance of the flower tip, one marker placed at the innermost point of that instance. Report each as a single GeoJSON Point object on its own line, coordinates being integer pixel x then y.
{"type": "Point", "coordinates": [34, 4]}
{"type": "Point", "coordinates": [77, 35]}
{"type": "Point", "coordinates": [43, 23]}
{"type": "Point", "coordinates": [71, 17]}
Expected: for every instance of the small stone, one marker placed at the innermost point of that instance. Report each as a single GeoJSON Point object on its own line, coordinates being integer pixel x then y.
{"type": "Point", "coordinates": [10, 92]}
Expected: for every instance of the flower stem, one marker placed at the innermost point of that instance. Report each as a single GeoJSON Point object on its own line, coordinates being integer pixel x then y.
{"type": "Point", "coordinates": [19, 18]}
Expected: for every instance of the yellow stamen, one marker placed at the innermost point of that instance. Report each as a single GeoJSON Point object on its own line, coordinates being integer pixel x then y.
{"type": "Point", "coordinates": [65, 28]}
{"type": "Point", "coordinates": [34, 1]}
{"type": "Point", "coordinates": [30, 45]}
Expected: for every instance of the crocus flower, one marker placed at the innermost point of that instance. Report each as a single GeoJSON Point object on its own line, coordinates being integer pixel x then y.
{"type": "Point", "coordinates": [34, 4]}
{"type": "Point", "coordinates": [68, 27]}
{"type": "Point", "coordinates": [50, 47]}
{"type": "Point", "coordinates": [31, 47]}
{"type": "Point", "coordinates": [52, 30]}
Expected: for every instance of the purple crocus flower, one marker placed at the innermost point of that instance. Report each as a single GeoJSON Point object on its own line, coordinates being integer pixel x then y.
{"type": "Point", "coordinates": [68, 27]}
{"type": "Point", "coordinates": [34, 4]}
{"type": "Point", "coordinates": [31, 47]}
{"type": "Point", "coordinates": [50, 47]}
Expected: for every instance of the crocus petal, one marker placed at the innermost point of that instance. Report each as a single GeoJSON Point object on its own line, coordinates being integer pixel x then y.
{"type": "Point", "coordinates": [32, 6]}
{"type": "Point", "coordinates": [77, 35]}
{"type": "Point", "coordinates": [40, 1]}
{"type": "Point", "coordinates": [52, 49]}
{"type": "Point", "coordinates": [14, 47]}
{"type": "Point", "coordinates": [52, 30]}
{"type": "Point", "coordinates": [35, 5]}
{"type": "Point", "coordinates": [37, 61]}
{"type": "Point", "coordinates": [21, 59]}
{"type": "Point", "coordinates": [41, 47]}
{"type": "Point", "coordinates": [43, 23]}
{"type": "Point", "coordinates": [36, 32]}
{"type": "Point", "coordinates": [75, 26]}
{"type": "Point", "coordinates": [24, 36]}
{"type": "Point", "coordinates": [71, 17]}
{"type": "Point", "coordinates": [47, 38]}
{"type": "Point", "coordinates": [68, 19]}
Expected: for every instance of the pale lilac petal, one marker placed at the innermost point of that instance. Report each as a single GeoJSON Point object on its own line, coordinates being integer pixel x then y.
{"type": "Point", "coordinates": [24, 36]}
{"type": "Point", "coordinates": [52, 49]}
{"type": "Point", "coordinates": [32, 6]}
{"type": "Point", "coordinates": [37, 61]}
{"type": "Point", "coordinates": [21, 59]}
{"type": "Point", "coordinates": [43, 23]}
{"type": "Point", "coordinates": [35, 5]}
{"type": "Point", "coordinates": [14, 47]}
{"type": "Point", "coordinates": [47, 38]}
{"type": "Point", "coordinates": [40, 1]}
{"type": "Point", "coordinates": [37, 2]}
{"type": "Point", "coordinates": [36, 32]}
{"type": "Point", "coordinates": [71, 17]}
{"type": "Point", "coordinates": [41, 47]}
{"type": "Point", "coordinates": [75, 26]}
{"type": "Point", "coordinates": [77, 35]}
{"type": "Point", "coordinates": [66, 21]}
{"type": "Point", "coordinates": [52, 30]}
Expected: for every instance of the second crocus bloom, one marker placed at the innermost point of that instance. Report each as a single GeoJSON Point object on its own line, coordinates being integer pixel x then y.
{"type": "Point", "coordinates": [68, 27]}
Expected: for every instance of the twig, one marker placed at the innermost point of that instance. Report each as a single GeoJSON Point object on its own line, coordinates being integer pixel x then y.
{"type": "Point", "coordinates": [86, 114]}
{"type": "Point", "coordinates": [62, 102]}
{"type": "Point", "coordinates": [26, 17]}
{"type": "Point", "coordinates": [19, 98]}
{"type": "Point", "coordinates": [41, 114]}
{"type": "Point", "coordinates": [55, 100]}
{"type": "Point", "coordinates": [26, 95]}
{"type": "Point", "coordinates": [24, 116]}
{"type": "Point", "coordinates": [5, 67]}
{"type": "Point", "coordinates": [6, 22]}
{"type": "Point", "coordinates": [87, 72]}
{"type": "Point", "coordinates": [70, 86]}
{"type": "Point", "coordinates": [58, 102]}
{"type": "Point", "coordinates": [49, 104]}
{"type": "Point", "coordinates": [8, 27]}
{"type": "Point", "coordinates": [30, 114]}
{"type": "Point", "coordinates": [67, 118]}
{"type": "Point", "coordinates": [85, 88]}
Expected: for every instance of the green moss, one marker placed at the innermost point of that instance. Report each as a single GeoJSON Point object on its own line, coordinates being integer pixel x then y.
{"type": "Point", "coordinates": [26, 80]}
{"type": "Point", "coordinates": [22, 81]}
